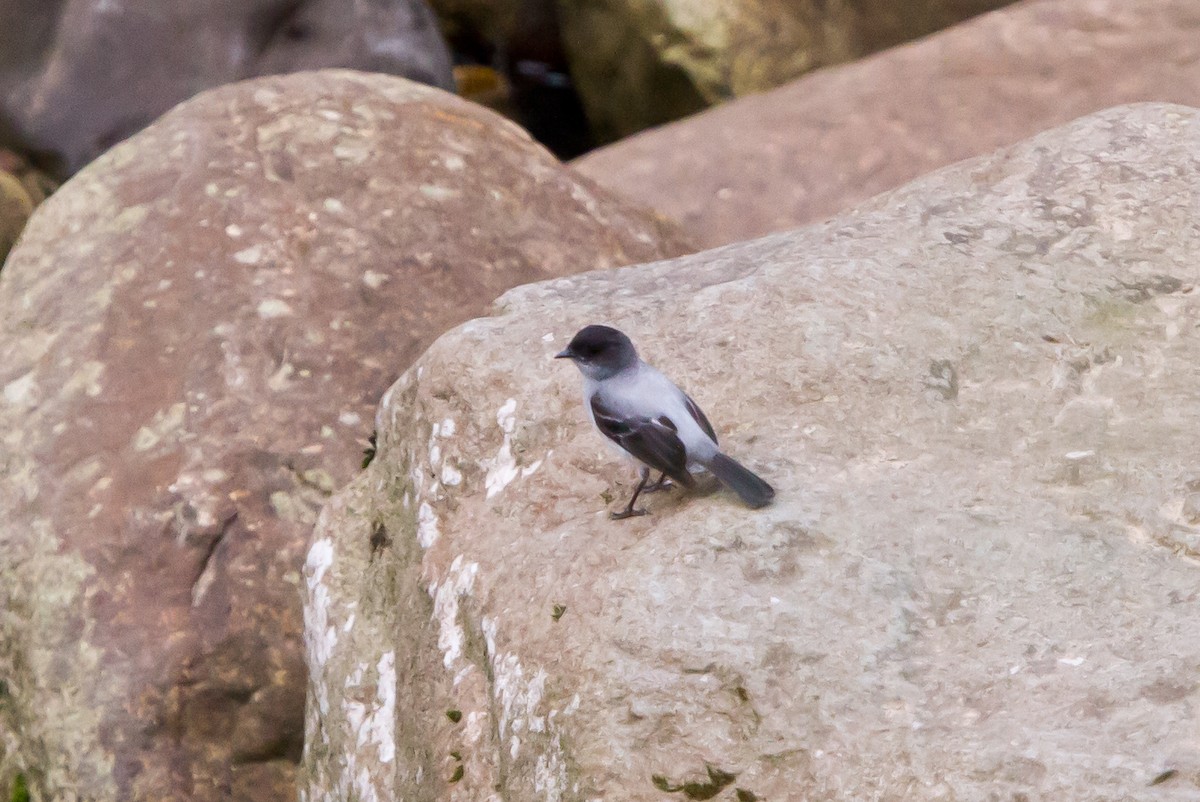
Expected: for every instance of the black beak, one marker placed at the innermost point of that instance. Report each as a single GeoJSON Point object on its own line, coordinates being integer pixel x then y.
{"type": "Point", "coordinates": [565, 354]}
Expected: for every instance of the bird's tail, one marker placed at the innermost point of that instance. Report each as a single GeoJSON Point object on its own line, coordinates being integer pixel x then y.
{"type": "Point", "coordinates": [752, 490]}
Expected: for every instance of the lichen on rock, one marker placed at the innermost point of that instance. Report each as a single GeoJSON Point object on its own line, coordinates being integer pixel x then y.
{"type": "Point", "coordinates": [945, 601]}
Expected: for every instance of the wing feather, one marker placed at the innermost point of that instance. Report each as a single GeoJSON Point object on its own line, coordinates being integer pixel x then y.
{"type": "Point", "coordinates": [651, 441]}
{"type": "Point", "coordinates": [698, 415]}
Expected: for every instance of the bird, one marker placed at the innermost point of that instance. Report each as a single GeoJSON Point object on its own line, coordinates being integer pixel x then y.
{"type": "Point", "coordinates": [652, 420]}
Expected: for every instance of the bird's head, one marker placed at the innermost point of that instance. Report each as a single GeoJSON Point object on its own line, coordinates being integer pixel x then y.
{"type": "Point", "coordinates": [599, 352]}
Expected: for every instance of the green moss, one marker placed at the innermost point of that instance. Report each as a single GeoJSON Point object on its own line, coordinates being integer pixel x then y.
{"type": "Point", "coordinates": [698, 790]}
{"type": "Point", "coordinates": [369, 451]}
{"type": "Point", "coordinates": [20, 791]}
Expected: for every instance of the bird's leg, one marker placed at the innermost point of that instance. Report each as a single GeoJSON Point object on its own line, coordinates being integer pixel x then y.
{"type": "Point", "coordinates": [629, 511]}
{"type": "Point", "coordinates": [663, 483]}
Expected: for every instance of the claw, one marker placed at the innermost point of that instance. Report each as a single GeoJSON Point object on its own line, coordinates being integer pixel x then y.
{"type": "Point", "coordinates": [623, 514]}
{"type": "Point", "coordinates": [629, 511]}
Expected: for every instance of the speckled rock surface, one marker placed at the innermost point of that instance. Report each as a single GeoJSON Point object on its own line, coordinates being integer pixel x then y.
{"type": "Point", "coordinates": [638, 64]}
{"type": "Point", "coordinates": [194, 334]}
{"type": "Point", "coordinates": [980, 579]}
{"type": "Point", "coordinates": [832, 139]}
{"type": "Point", "coordinates": [77, 77]}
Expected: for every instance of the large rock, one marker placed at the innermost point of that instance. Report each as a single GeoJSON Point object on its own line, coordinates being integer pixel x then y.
{"type": "Point", "coordinates": [15, 208]}
{"type": "Point", "coordinates": [22, 188]}
{"type": "Point", "coordinates": [976, 398]}
{"type": "Point", "coordinates": [638, 64]}
{"type": "Point", "coordinates": [837, 137]}
{"type": "Point", "coordinates": [194, 334]}
{"type": "Point", "coordinates": [77, 77]}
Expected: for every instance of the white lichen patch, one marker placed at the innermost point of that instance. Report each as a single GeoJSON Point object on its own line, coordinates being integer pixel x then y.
{"type": "Point", "coordinates": [281, 379]}
{"type": "Point", "coordinates": [459, 582]}
{"type": "Point", "coordinates": [382, 410]}
{"type": "Point", "coordinates": [319, 560]}
{"type": "Point", "coordinates": [451, 476]}
{"type": "Point", "coordinates": [417, 476]}
{"type": "Point", "coordinates": [249, 256]}
{"type": "Point", "coordinates": [374, 280]}
{"type": "Point", "coordinates": [438, 193]}
{"type": "Point", "coordinates": [320, 637]}
{"type": "Point", "coordinates": [164, 423]}
{"type": "Point", "coordinates": [86, 379]}
{"type": "Point", "coordinates": [131, 217]}
{"type": "Point", "coordinates": [427, 525]}
{"type": "Point", "coordinates": [379, 726]}
{"type": "Point", "coordinates": [550, 771]}
{"type": "Point", "coordinates": [274, 307]}
{"type": "Point", "coordinates": [370, 723]}
{"type": "Point", "coordinates": [519, 696]}
{"type": "Point", "coordinates": [502, 469]}
{"type": "Point", "coordinates": [22, 391]}
{"type": "Point", "coordinates": [474, 730]}
{"type": "Point", "coordinates": [352, 152]}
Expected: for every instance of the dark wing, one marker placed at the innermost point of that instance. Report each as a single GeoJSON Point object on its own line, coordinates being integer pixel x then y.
{"type": "Point", "coordinates": [652, 441]}
{"type": "Point", "coordinates": [698, 416]}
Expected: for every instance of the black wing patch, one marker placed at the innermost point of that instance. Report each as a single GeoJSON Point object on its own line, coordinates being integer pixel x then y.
{"type": "Point", "coordinates": [652, 441]}
{"type": "Point", "coordinates": [698, 415]}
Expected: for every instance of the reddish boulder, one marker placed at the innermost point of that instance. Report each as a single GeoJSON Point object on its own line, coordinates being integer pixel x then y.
{"type": "Point", "coordinates": [194, 333]}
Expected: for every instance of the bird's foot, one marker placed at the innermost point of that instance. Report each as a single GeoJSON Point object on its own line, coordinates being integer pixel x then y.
{"type": "Point", "coordinates": [628, 512]}
{"type": "Point", "coordinates": [662, 484]}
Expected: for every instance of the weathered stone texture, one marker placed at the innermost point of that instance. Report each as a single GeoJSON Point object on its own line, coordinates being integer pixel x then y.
{"type": "Point", "coordinates": [77, 77]}
{"type": "Point", "coordinates": [980, 579]}
{"type": "Point", "coordinates": [638, 64]}
{"type": "Point", "coordinates": [22, 188]}
{"type": "Point", "coordinates": [832, 139]}
{"type": "Point", "coordinates": [194, 334]}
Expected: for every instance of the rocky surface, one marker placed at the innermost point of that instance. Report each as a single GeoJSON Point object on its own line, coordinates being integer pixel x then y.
{"type": "Point", "coordinates": [639, 64]}
{"type": "Point", "coordinates": [15, 208]}
{"type": "Point", "coordinates": [980, 579]}
{"type": "Point", "coordinates": [77, 77]}
{"type": "Point", "coordinates": [839, 136]}
{"type": "Point", "coordinates": [22, 188]}
{"type": "Point", "coordinates": [194, 334]}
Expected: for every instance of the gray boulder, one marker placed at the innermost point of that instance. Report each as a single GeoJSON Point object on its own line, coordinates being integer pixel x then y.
{"type": "Point", "coordinates": [78, 77]}
{"type": "Point", "coordinates": [194, 334]}
{"type": "Point", "coordinates": [976, 397]}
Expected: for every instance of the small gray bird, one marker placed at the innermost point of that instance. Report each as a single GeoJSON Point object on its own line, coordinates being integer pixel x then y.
{"type": "Point", "coordinates": [651, 419]}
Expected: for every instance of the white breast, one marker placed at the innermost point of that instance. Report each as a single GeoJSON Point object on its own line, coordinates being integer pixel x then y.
{"type": "Point", "coordinates": [645, 392]}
